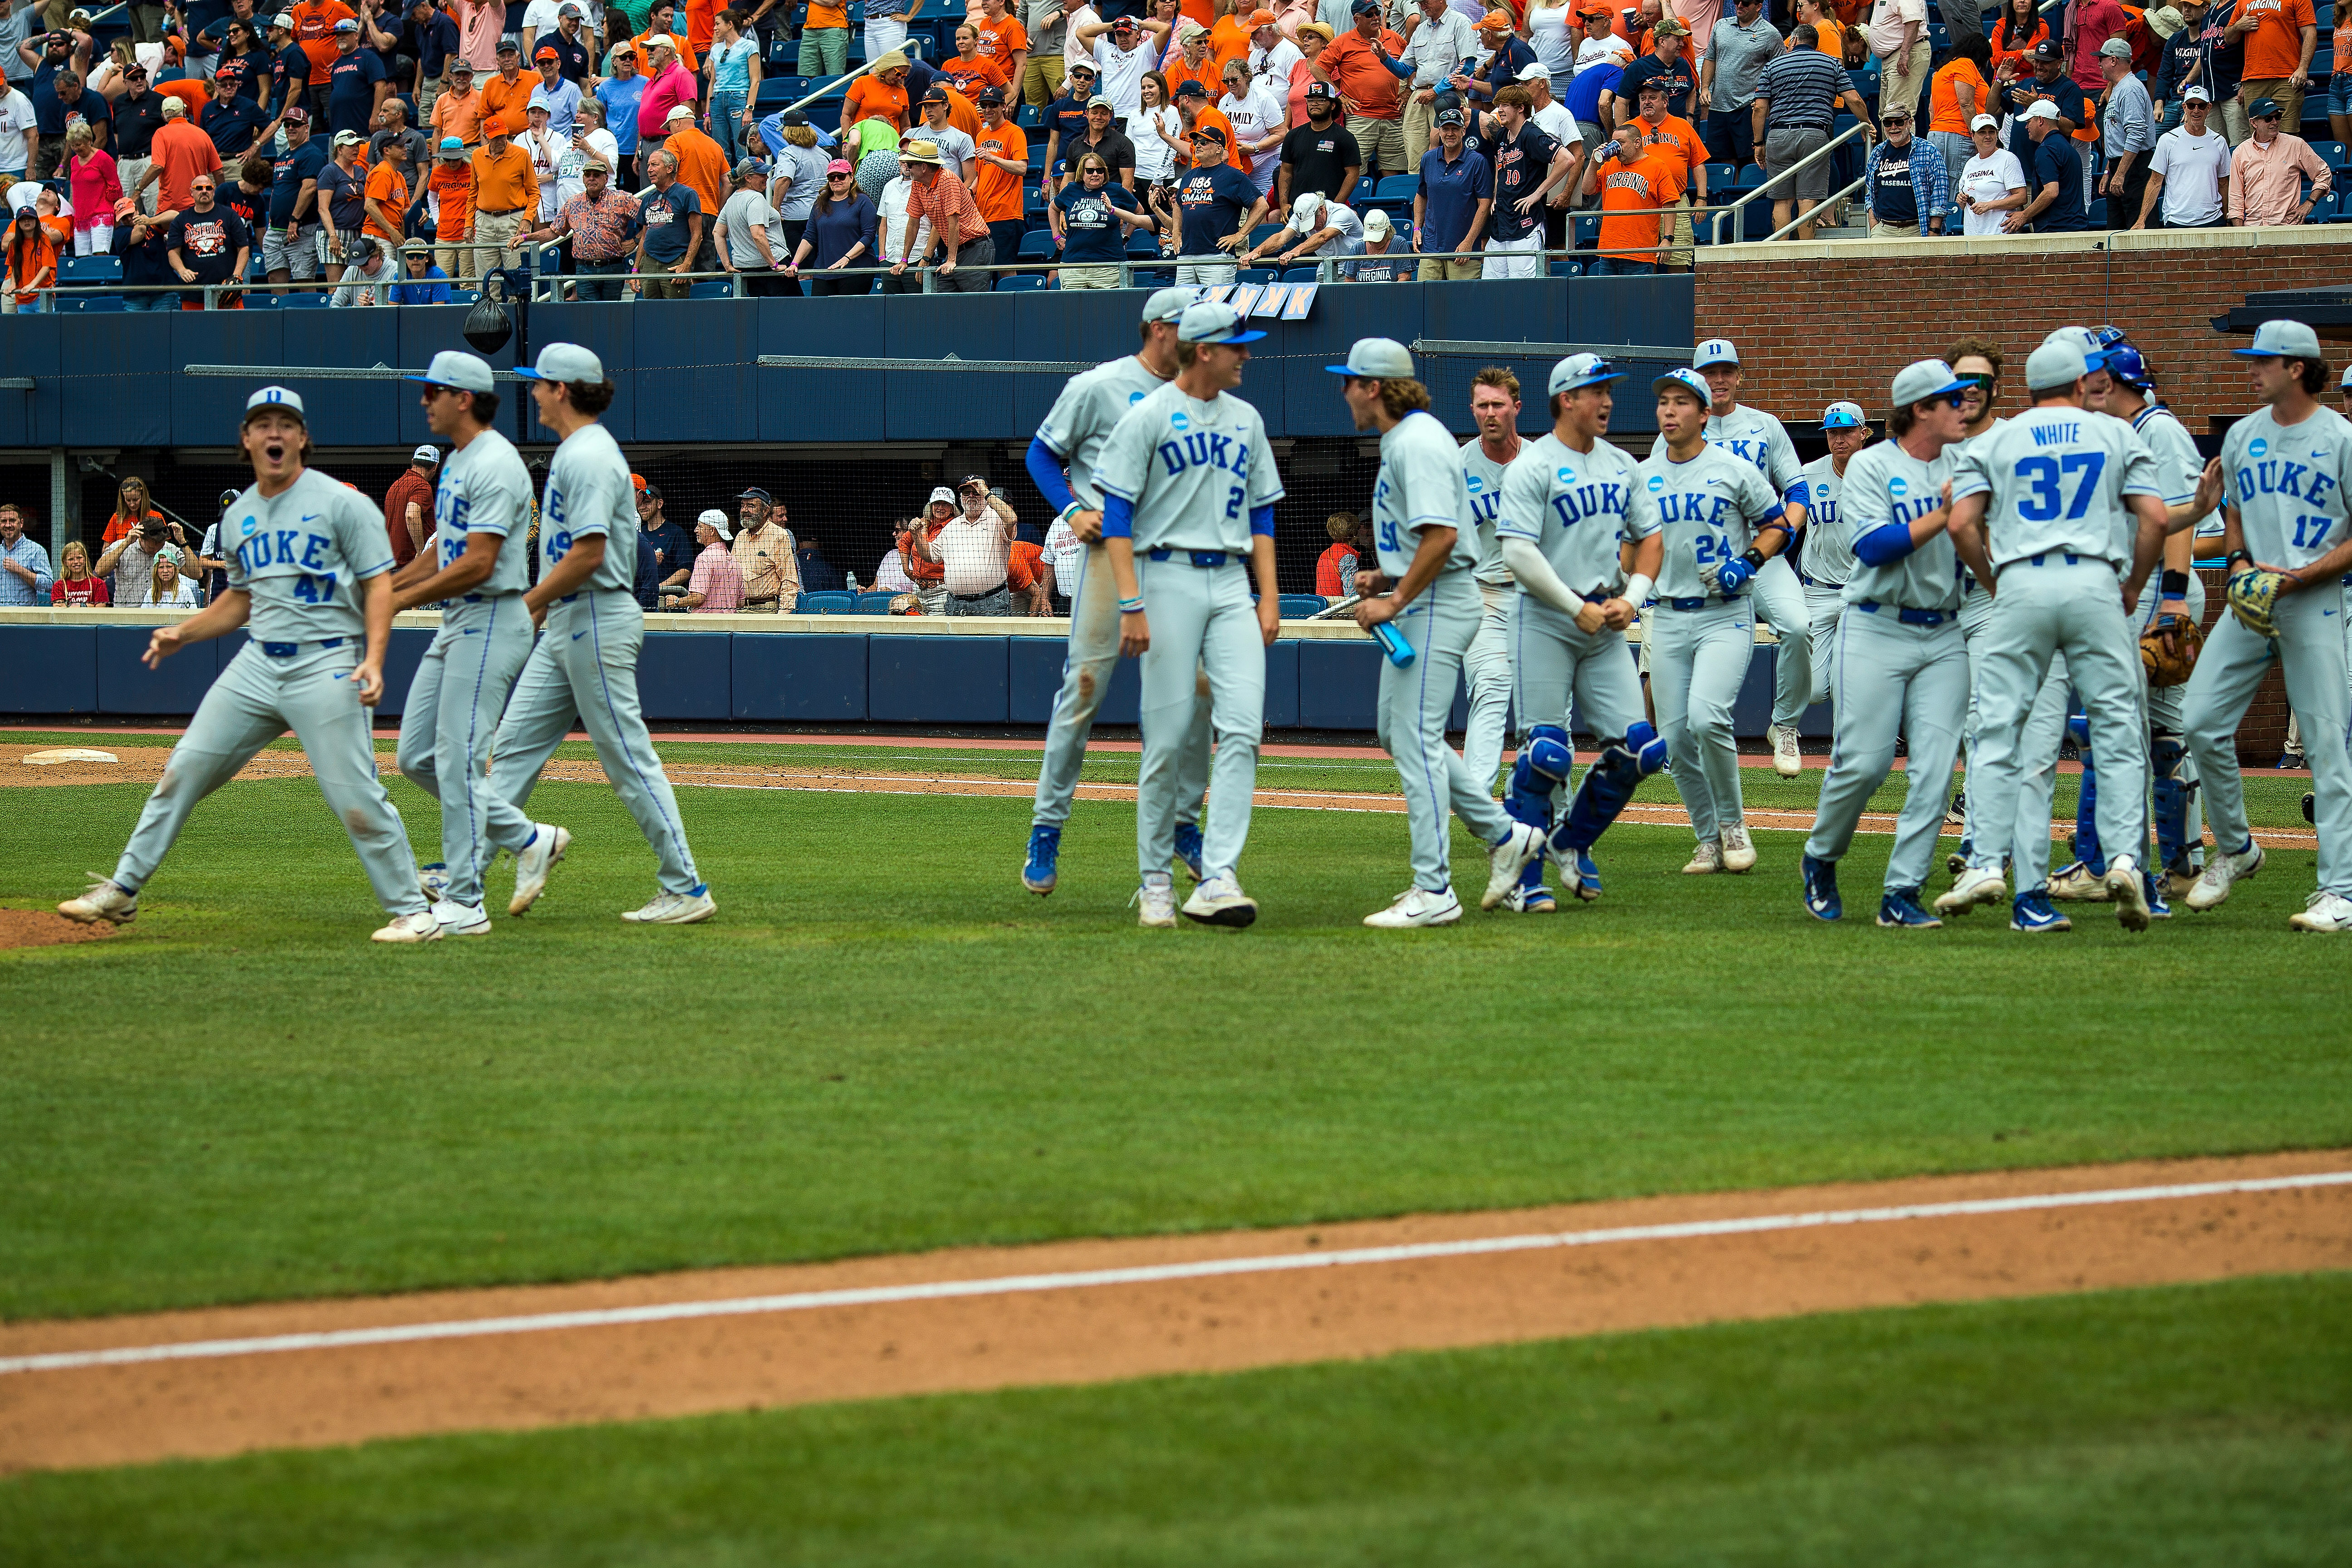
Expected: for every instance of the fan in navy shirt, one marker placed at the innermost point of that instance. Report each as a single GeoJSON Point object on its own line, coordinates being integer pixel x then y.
{"type": "Point", "coordinates": [290, 78]}
{"type": "Point", "coordinates": [2054, 170]}
{"type": "Point", "coordinates": [1522, 163]}
{"type": "Point", "coordinates": [1211, 205]}
{"type": "Point", "coordinates": [1675, 73]}
{"type": "Point", "coordinates": [352, 78]}
{"type": "Point", "coordinates": [233, 122]}
{"type": "Point", "coordinates": [1091, 236]}
{"type": "Point", "coordinates": [1511, 57]}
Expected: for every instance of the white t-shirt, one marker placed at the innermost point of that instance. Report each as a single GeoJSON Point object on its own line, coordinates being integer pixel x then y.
{"type": "Point", "coordinates": [1331, 215]}
{"type": "Point", "coordinates": [568, 181]}
{"type": "Point", "coordinates": [1255, 116]}
{"type": "Point", "coordinates": [892, 211]}
{"type": "Point", "coordinates": [1550, 33]}
{"type": "Point", "coordinates": [1555, 121]}
{"type": "Point", "coordinates": [1607, 50]}
{"type": "Point", "coordinates": [1154, 159]}
{"type": "Point", "coordinates": [2193, 168]}
{"type": "Point", "coordinates": [1119, 74]}
{"type": "Point", "coordinates": [1988, 180]}
{"type": "Point", "coordinates": [1273, 67]}
{"type": "Point", "coordinates": [15, 118]}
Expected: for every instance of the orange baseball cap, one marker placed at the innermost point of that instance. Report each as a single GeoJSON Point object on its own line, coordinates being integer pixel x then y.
{"type": "Point", "coordinates": [638, 480]}
{"type": "Point", "coordinates": [494, 126]}
{"type": "Point", "coordinates": [1261, 17]}
{"type": "Point", "coordinates": [1494, 19]}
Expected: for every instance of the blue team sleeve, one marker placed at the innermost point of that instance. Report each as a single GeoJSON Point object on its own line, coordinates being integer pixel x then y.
{"type": "Point", "coordinates": [1798, 494]}
{"type": "Point", "coordinates": [1046, 469]}
{"type": "Point", "coordinates": [1119, 517]}
{"type": "Point", "coordinates": [1885, 545]}
{"type": "Point", "coordinates": [1261, 520]}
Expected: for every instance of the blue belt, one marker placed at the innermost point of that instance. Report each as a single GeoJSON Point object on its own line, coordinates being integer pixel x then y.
{"type": "Point", "coordinates": [288, 649]}
{"type": "Point", "coordinates": [569, 597]}
{"type": "Point", "coordinates": [1198, 557]}
{"type": "Point", "coordinates": [1908, 616]}
{"type": "Point", "coordinates": [2068, 556]}
{"type": "Point", "coordinates": [474, 599]}
{"type": "Point", "coordinates": [1701, 603]}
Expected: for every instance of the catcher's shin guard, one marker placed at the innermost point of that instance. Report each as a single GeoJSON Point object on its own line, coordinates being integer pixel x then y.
{"type": "Point", "coordinates": [1542, 767]}
{"type": "Point", "coordinates": [2087, 806]}
{"type": "Point", "coordinates": [1607, 785]}
{"type": "Point", "coordinates": [2168, 757]}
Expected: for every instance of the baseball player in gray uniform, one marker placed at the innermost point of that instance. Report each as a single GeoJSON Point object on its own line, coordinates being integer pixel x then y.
{"type": "Point", "coordinates": [1495, 410]}
{"type": "Point", "coordinates": [1902, 667]}
{"type": "Point", "coordinates": [2045, 510]}
{"type": "Point", "coordinates": [481, 505]}
{"type": "Point", "coordinates": [1978, 363]}
{"type": "Point", "coordinates": [585, 665]}
{"type": "Point", "coordinates": [1776, 597]}
{"type": "Point", "coordinates": [1828, 560]}
{"type": "Point", "coordinates": [1573, 513]}
{"type": "Point", "coordinates": [1422, 590]}
{"type": "Point", "coordinates": [310, 573]}
{"type": "Point", "coordinates": [1061, 460]}
{"type": "Point", "coordinates": [2287, 467]}
{"type": "Point", "coordinates": [1188, 485]}
{"type": "Point", "coordinates": [1722, 520]}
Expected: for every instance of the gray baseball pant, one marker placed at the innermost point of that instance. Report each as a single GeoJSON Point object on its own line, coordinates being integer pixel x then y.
{"type": "Point", "coordinates": [256, 698]}
{"type": "Point", "coordinates": [1890, 678]}
{"type": "Point", "coordinates": [1780, 603]}
{"type": "Point", "coordinates": [453, 712]}
{"type": "Point", "coordinates": [1824, 605]}
{"type": "Point", "coordinates": [1085, 677]}
{"type": "Point", "coordinates": [1554, 666]}
{"type": "Point", "coordinates": [1487, 667]}
{"type": "Point", "coordinates": [1415, 704]}
{"type": "Point", "coordinates": [1698, 662]}
{"type": "Point", "coordinates": [585, 667]}
{"type": "Point", "coordinates": [1201, 621]}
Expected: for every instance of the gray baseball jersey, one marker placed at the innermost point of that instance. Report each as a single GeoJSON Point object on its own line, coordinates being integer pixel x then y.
{"type": "Point", "coordinates": [1577, 507]}
{"type": "Point", "coordinates": [302, 554]}
{"type": "Point", "coordinates": [1091, 406]}
{"type": "Point", "coordinates": [1483, 477]}
{"type": "Point", "coordinates": [588, 492]}
{"type": "Point", "coordinates": [1753, 437]}
{"type": "Point", "coordinates": [1885, 484]}
{"type": "Point", "coordinates": [1829, 552]}
{"type": "Point", "coordinates": [1709, 507]}
{"type": "Point", "coordinates": [485, 488]}
{"type": "Point", "coordinates": [2288, 483]}
{"type": "Point", "coordinates": [1421, 485]}
{"type": "Point", "coordinates": [2057, 477]}
{"type": "Point", "coordinates": [1192, 470]}
{"type": "Point", "coordinates": [2178, 465]}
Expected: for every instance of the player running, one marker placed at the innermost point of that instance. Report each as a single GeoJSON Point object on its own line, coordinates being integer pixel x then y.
{"type": "Point", "coordinates": [1573, 512]}
{"type": "Point", "coordinates": [1776, 597]}
{"type": "Point", "coordinates": [481, 503]}
{"type": "Point", "coordinates": [2287, 467]}
{"type": "Point", "coordinates": [310, 573]}
{"type": "Point", "coordinates": [2043, 511]}
{"type": "Point", "coordinates": [1090, 406]}
{"type": "Point", "coordinates": [1495, 410]}
{"type": "Point", "coordinates": [1719, 516]}
{"type": "Point", "coordinates": [1900, 665]}
{"type": "Point", "coordinates": [585, 666]}
{"type": "Point", "coordinates": [1422, 589]}
{"type": "Point", "coordinates": [1188, 480]}
{"type": "Point", "coordinates": [1828, 561]}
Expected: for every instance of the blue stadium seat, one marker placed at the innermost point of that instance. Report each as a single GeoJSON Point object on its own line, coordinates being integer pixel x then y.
{"type": "Point", "coordinates": [1259, 275]}
{"type": "Point", "coordinates": [262, 299]}
{"type": "Point", "coordinates": [1262, 232]}
{"type": "Point", "coordinates": [1299, 607]}
{"type": "Point", "coordinates": [1019, 282]}
{"type": "Point", "coordinates": [310, 299]}
{"type": "Point", "coordinates": [1036, 158]}
{"type": "Point", "coordinates": [827, 605]}
{"type": "Point", "coordinates": [1037, 245]}
{"type": "Point", "coordinates": [873, 603]}
{"type": "Point", "coordinates": [88, 271]}
{"type": "Point", "coordinates": [711, 289]}
{"type": "Point", "coordinates": [1722, 176]}
{"type": "Point", "coordinates": [1750, 176]}
{"type": "Point", "coordinates": [1031, 118]}
{"type": "Point", "coordinates": [1588, 231]}
{"type": "Point", "coordinates": [1301, 274]}
{"type": "Point", "coordinates": [1366, 189]}
{"type": "Point", "coordinates": [1563, 268]}
{"type": "Point", "coordinates": [776, 91]}
{"type": "Point", "coordinates": [1398, 187]}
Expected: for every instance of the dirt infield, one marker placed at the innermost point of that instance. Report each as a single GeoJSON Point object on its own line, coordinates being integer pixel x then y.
{"type": "Point", "coordinates": [44, 928]}
{"type": "Point", "coordinates": [137, 1389]}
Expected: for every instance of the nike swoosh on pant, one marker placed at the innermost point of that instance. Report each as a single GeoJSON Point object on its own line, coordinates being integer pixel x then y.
{"type": "Point", "coordinates": [577, 636]}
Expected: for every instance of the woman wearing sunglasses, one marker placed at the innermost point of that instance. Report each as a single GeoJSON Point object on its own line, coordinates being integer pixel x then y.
{"type": "Point", "coordinates": [841, 232]}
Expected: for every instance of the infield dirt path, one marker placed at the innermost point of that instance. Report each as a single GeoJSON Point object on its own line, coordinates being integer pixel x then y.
{"type": "Point", "coordinates": [145, 764]}
{"type": "Point", "coordinates": [990, 1318]}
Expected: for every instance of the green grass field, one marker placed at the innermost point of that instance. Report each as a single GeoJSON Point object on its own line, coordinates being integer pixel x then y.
{"type": "Point", "coordinates": [884, 1044]}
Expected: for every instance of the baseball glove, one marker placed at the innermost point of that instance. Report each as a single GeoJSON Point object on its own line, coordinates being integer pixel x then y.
{"type": "Point", "coordinates": [2169, 649]}
{"type": "Point", "coordinates": [2253, 596]}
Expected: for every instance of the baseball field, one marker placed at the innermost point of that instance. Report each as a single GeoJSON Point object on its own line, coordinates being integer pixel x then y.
{"type": "Point", "coordinates": [899, 1216]}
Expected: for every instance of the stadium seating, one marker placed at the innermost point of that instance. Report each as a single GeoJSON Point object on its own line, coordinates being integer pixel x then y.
{"type": "Point", "coordinates": [1260, 275]}
{"type": "Point", "coordinates": [1299, 607]}
{"type": "Point", "coordinates": [1016, 282]}
{"type": "Point", "coordinates": [875, 604]}
{"type": "Point", "coordinates": [1037, 245]}
{"type": "Point", "coordinates": [827, 605]}
{"type": "Point", "coordinates": [1301, 274]}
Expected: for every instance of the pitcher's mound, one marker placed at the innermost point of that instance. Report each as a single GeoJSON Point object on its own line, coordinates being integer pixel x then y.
{"type": "Point", "coordinates": [43, 928]}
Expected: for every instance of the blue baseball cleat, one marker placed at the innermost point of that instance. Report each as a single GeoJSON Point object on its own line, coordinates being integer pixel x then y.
{"type": "Point", "coordinates": [1045, 851]}
{"type": "Point", "coordinates": [2033, 912]}
{"type": "Point", "coordinates": [1822, 899]}
{"type": "Point", "coordinates": [2159, 908]}
{"type": "Point", "coordinates": [1588, 876]}
{"type": "Point", "coordinates": [1188, 848]}
{"type": "Point", "coordinates": [1900, 909]}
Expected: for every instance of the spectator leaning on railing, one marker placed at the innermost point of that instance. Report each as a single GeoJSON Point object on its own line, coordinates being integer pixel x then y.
{"type": "Point", "coordinates": [25, 577]}
{"type": "Point", "coordinates": [751, 238]}
{"type": "Point", "coordinates": [368, 275]}
{"type": "Point", "coordinates": [601, 224]}
{"type": "Point", "coordinates": [672, 219]}
{"type": "Point", "coordinates": [1905, 186]}
{"type": "Point", "coordinates": [841, 232]}
{"type": "Point", "coordinates": [948, 205]}
{"type": "Point", "coordinates": [2267, 172]}
{"type": "Point", "coordinates": [1211, 213]}
{"type": "Point", "coordinates": [32, 264]}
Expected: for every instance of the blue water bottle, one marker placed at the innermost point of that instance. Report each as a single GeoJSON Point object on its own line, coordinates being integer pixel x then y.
{"type": "Point", "coordinates": [1400, 651]}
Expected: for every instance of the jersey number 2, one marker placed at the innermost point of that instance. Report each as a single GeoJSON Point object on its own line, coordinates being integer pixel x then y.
{"type": "Point", "coordinates": [2042, 502]}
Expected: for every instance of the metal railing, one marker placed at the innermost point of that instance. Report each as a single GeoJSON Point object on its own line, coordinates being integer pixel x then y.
{"type": "Point", "coordinates": [1860, 128]}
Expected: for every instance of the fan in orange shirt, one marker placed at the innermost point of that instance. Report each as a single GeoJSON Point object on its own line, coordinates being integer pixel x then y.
{"type": "Point", "coordinates": [881, 93]}
{"type": "Point", "coordinates": [968, 69]}
{"type": "Point", "coordinates": [1633, 183]}
{"type": "Point", "coordinates": [1002, 38]}
{"type": "Point", "coordinates": [314, 29]}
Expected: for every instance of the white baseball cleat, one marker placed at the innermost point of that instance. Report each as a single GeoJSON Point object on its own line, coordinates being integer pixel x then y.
{"type": "Point", "coordinates": [532, 863]}
{"type": "Point", "coordinates": [1220, 902]}
{"type": "Point", "coordinates": [2224, 869]}
{"type": "Point", "coordinates": [1505, 862]}
{"type": "Point", "coordinates": [2126, 886]}
{"type": "Point", "coordinates": [461, 920]}
{"type": "Point", "coordinates": [1155, 902]}
{"type": "Point", "coordinates": [1738, 854]}
{"type": "Point", "coordinates": [1978, 885]}
{"type": "Point", "coordinates": [674, 910]}
{"type": "Point", "coordinates": [106, 900]}
{"type": "Point", "coordinates": [2325, 912]}
{"type": "Point", "coordinates": [418, 927]}
{"type": "Point", "coordinates": [1704, 860]}
{"type": "Point", "coordinates": [1419, 907]}
{"type": "Point", "coordinates": [1788, 757]}
{"type": "Point", "coordinates": [2077, 883]}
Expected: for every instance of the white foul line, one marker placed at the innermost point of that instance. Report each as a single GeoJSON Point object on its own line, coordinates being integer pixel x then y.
{"type": "Point", "coordinates": [1018, 1284]}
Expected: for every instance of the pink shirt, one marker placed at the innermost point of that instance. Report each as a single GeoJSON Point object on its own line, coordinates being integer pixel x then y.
{"type": "Point", "coordinates": [2095, 21]}
{"type": "Point", "coordinates": [663, 94]}
{"type": "Point", "coordinates": [95, 187]}
{"type": "Point", "coordinates": [2265, 184]}
{"type": "Point", "coordinates": [717, 580]}
{"type": "Point", "coordinates": [479, 27]}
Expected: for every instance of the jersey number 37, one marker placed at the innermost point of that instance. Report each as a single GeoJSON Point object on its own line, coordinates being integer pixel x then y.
{"type": "Point", "coordinates": [2044, 500]}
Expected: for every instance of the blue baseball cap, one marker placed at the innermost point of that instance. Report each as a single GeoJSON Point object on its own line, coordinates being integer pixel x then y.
{"type": "Point", "coordinates": [1715, 351]}
{"type": "Point", "coordinates": [1582, 370]}
{"type": "Point", "coordinates": [2282, 340]}
{"type": "Point", "coordinates": [1845, 417]}
{"type": "Point", "coordinates": [1211, 322]}
{"type": "Point", "coordinates": [1690, 381]}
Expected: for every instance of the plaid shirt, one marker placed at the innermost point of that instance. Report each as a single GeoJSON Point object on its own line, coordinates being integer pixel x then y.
{"type": "Point", "coordinates": [716, 579]}
{"type": "Point", "coordinates": [601, 231]}
{"type": "Point", "coordinates": [764, 557]}
{"type": "Point", "coordinates": [1931, 182]}
{"type": "Point", "coordinates": [947, 197]}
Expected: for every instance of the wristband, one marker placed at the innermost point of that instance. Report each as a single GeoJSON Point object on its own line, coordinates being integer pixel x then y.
{"type": "Point", "coordinates": [1637, 590]}
{"type": "Point", "coordinates": [1130, 606]}
{"type": "Point", "coordinates": [2236, 556]}
{"type": "Point", "coordinates": [1755, 557]}
{"type": "Point", "coordinates": [2175, 584]}
{"type": "Point", "coordinates": [1069, 511]}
